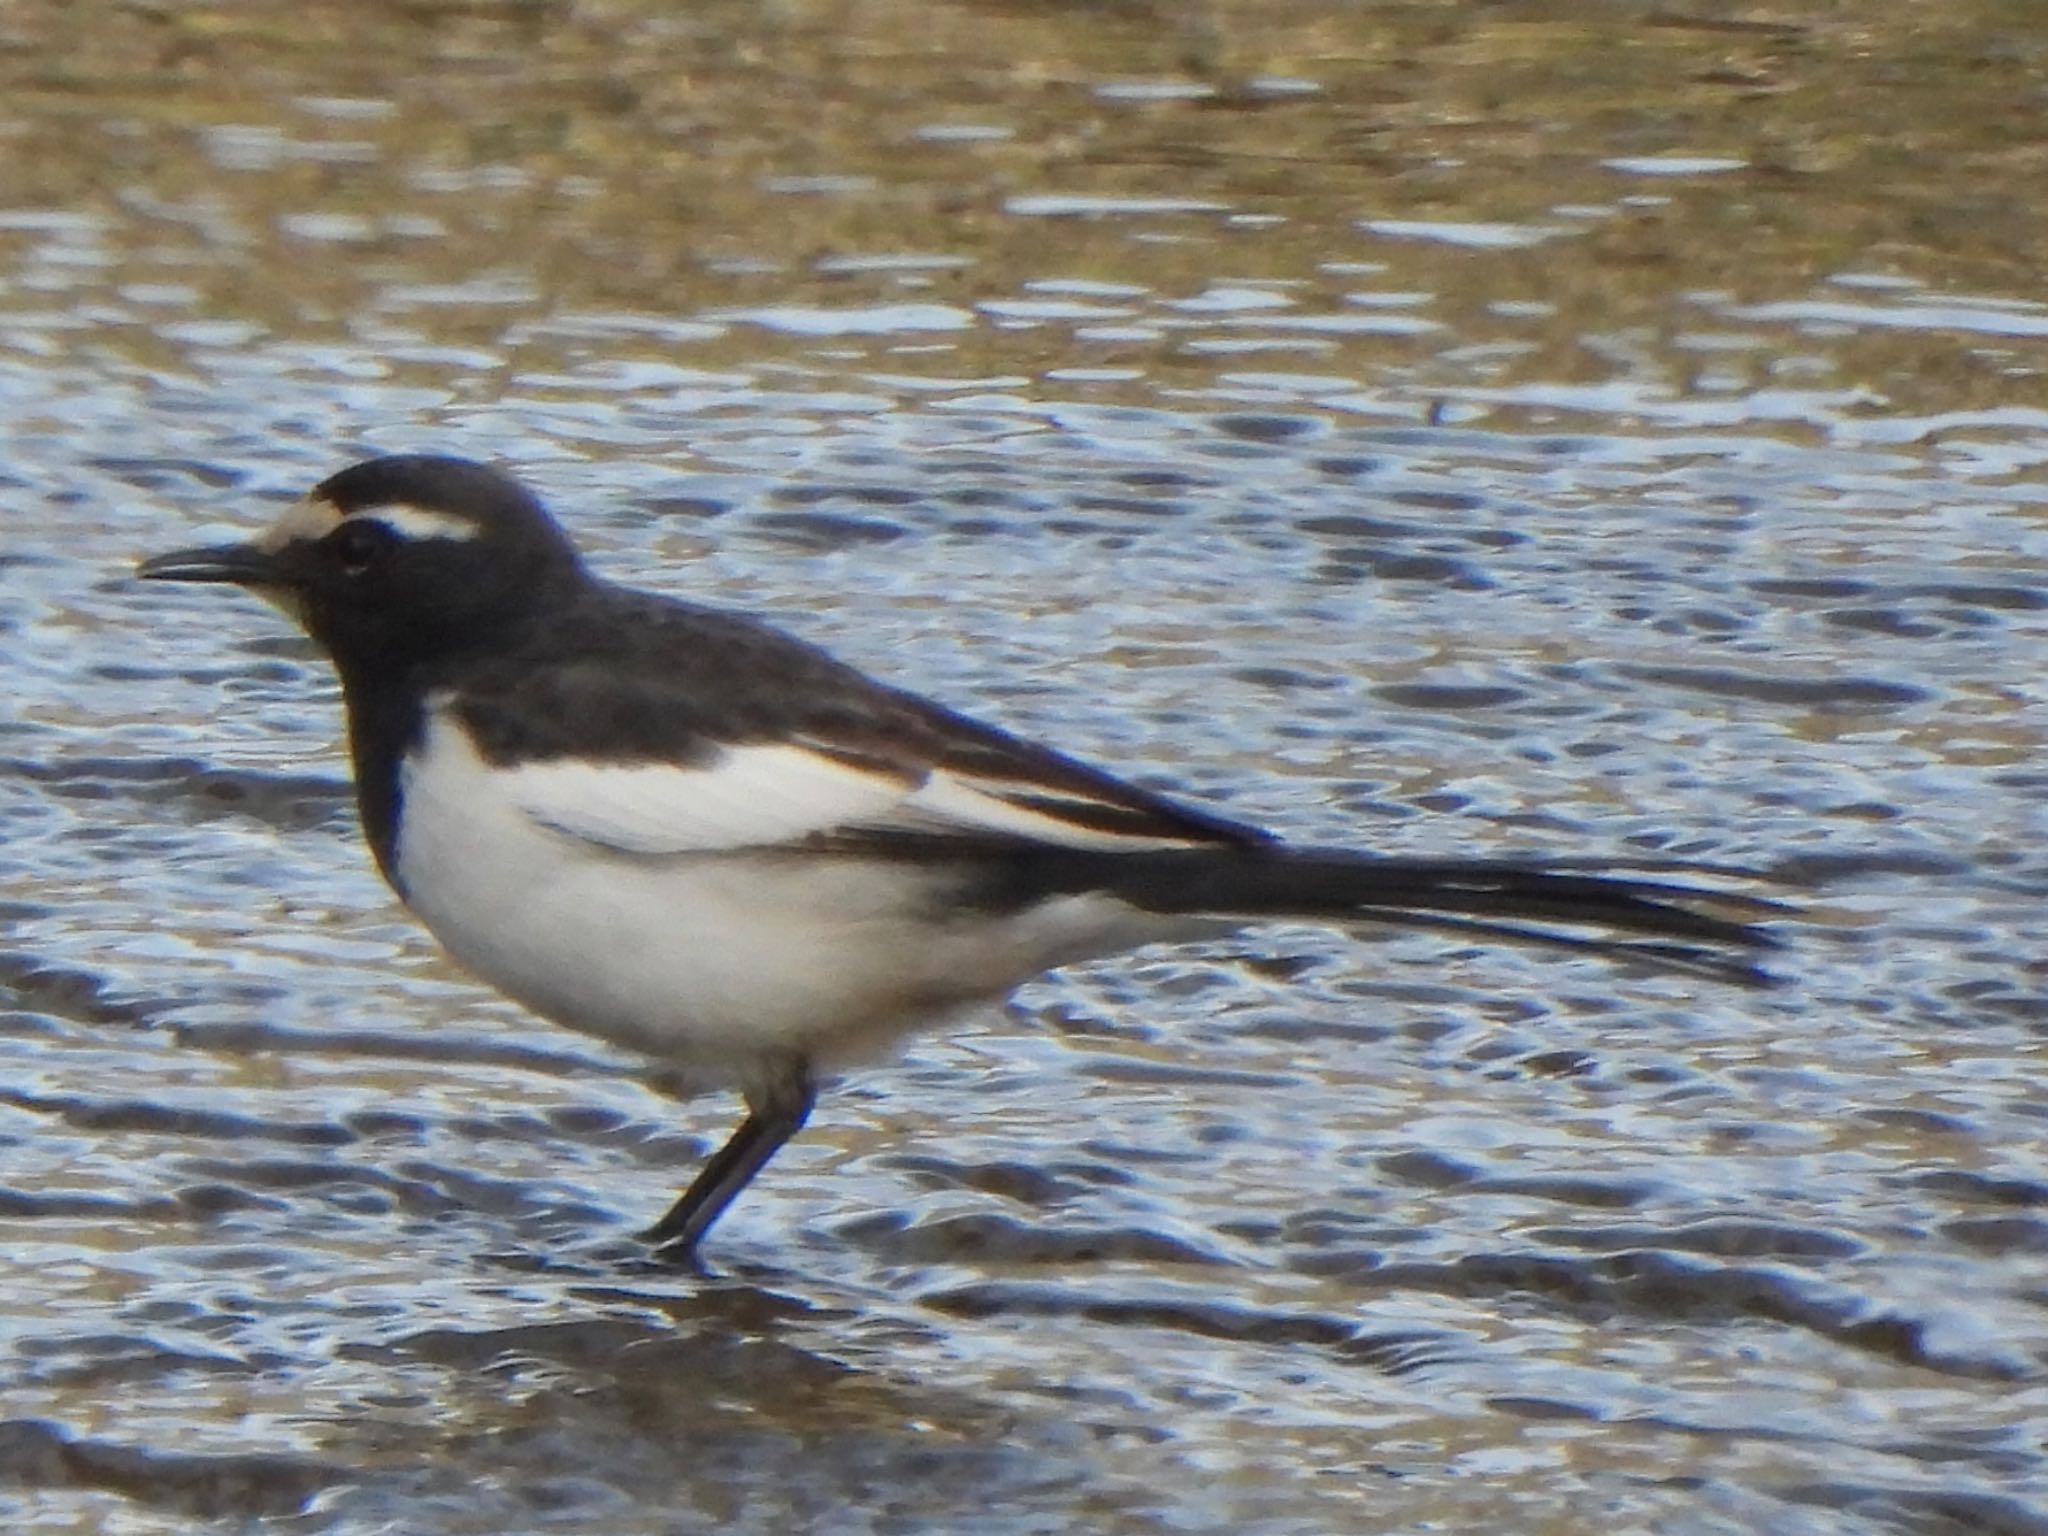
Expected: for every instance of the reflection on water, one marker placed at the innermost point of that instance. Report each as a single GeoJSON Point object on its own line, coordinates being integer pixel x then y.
{"type": "Point", "coordinates": [1443, 426]}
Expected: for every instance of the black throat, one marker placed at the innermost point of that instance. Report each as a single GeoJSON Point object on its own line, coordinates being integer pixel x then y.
{"type": "Point", "coordinates": [387, 714]}
{"type": "Point", "coordinates": [390, 673]}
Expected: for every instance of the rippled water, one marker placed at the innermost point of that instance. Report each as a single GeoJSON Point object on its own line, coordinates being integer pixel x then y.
{"type": "Point", "coordinates": [1435, 427]}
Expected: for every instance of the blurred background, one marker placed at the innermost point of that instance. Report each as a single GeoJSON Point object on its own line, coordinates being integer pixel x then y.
{"type": "Point", "coordinates": [1496, 427]}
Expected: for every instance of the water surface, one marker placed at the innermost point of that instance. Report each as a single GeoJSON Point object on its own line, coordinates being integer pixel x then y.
{"type": "Point", "coordinates": [1431, 426]}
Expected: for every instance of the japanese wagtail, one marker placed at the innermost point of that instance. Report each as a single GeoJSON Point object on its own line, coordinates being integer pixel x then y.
{"type": "Point", "coordinates": [688, 833]}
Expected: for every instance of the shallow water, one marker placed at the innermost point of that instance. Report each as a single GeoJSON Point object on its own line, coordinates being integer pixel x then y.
{"type": "Point", "coordinates": [1434, 426]}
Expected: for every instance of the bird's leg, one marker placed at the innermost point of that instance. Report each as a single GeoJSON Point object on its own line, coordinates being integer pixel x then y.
{"type": "Point", "coordinates": [776, 1111]}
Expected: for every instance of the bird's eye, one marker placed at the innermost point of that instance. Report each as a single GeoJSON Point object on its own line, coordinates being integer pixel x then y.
{"type": "Point", "coordinates": [358, 544]}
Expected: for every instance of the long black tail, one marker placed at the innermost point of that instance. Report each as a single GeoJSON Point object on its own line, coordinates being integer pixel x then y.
{"type": "Point", "coordinates": [1610, 910]}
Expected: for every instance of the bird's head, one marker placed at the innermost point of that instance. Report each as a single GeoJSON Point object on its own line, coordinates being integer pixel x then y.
{"type": "Point", "coordinates": [396, 558]}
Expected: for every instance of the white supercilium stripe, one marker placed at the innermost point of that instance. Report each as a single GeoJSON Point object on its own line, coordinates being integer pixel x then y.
{"type": "Point", "coordinates": [410, 522]}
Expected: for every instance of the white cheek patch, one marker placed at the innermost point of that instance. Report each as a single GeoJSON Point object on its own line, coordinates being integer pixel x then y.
{"type": "Point", "coordinates": [410, 522]}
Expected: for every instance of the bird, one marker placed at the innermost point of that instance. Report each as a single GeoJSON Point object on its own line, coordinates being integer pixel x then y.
{"type": "Point", "coordinates": [684, 831]}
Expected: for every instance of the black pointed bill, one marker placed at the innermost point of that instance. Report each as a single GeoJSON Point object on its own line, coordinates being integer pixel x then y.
{"type": "Point", "coordinates": [251, 567]}
{"type": "Point", "coordinates": [243, 565]}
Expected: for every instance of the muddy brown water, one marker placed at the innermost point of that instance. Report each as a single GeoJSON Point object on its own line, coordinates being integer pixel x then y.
{"type": "Point", "coordinates": [1435, 426]}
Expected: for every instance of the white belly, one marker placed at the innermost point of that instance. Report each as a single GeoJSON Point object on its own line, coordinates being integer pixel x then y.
{"type": "Point", "coordinates": [725, 964]}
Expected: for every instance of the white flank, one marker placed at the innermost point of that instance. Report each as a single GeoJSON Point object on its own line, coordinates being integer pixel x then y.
{"type": "Point", "coordinates": [728, 960]}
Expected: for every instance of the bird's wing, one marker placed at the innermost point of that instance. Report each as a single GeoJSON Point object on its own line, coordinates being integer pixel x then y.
{"type": "Point", "coordinates": [709, 731]}
{"type": "Point", "coordinates": [764, 794]}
